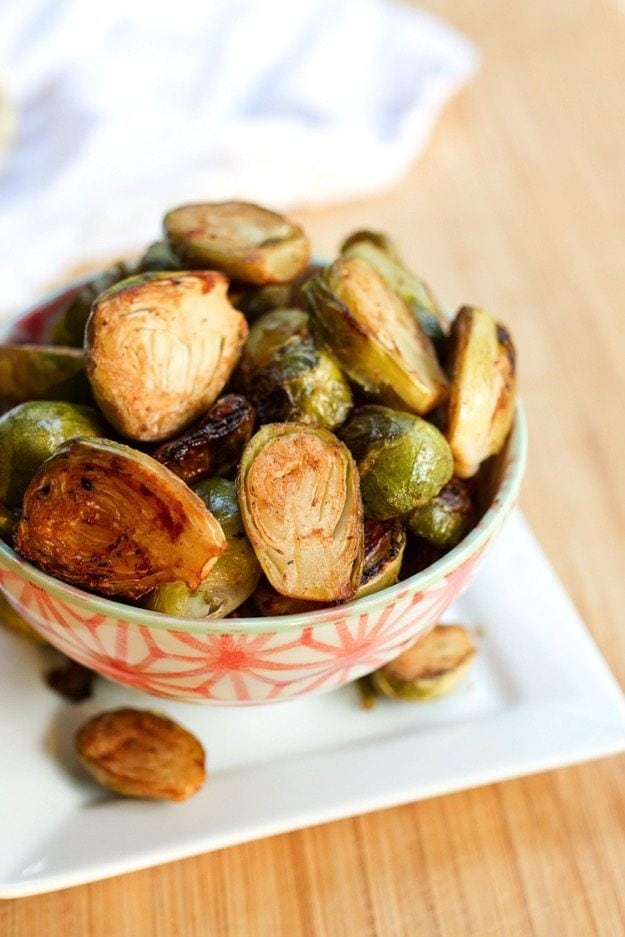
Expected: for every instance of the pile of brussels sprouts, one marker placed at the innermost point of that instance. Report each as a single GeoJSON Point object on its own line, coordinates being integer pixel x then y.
{"type": "Point", "coordinates": [224, 428]}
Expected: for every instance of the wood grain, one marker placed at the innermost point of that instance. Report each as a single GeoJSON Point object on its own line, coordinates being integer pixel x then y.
{"type": "Point", "coordinates": [518, 205]}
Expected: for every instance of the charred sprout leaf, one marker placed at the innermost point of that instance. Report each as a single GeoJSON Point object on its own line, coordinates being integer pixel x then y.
{"type": "Point", "coordinates": [381, 254]}
{"type": "Point", "coordinates": [247, 242]}
{"type": "Point", "coordinates": [212, 447]}
{"type": "Point", "coordinates": [374, 337]}
{"type": "Point", "coordinates": [385, 542]}
{"type": "Point", "coordinates": [42, 372]}
{"type": "Point", "coordinates": [234, 576]}
{"type": "Point", "coordinates": [446, 517]}
{"type": "Point", "coordinates": [431, 667]}
{"type": "Point", "coordinates": [159, 256]}
{"type": "Point", "coordinates": [403, 460]}
{"type": "Point", "coordinates": [103, 516]}
{"type": "Point", "coordinates": [482, 393]}
{"type": "Point", "coordinates": [141, 754]}
{"type": "Point", "coordinates": [70, 327]}
{"type": "Point", "coordinates": [301, 507]}
{"type": "Point", "coordinates": [12, 620]}
{"type": "Point", "coordinates": [160, 347]}
{"type": "Point", "coordinates": [31, 432]}
{"type": "Point", "coordinates": [72, 681]}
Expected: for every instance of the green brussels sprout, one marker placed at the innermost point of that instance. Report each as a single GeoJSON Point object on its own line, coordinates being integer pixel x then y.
{"type": "Point", "coordinates": [447, 517]}
{"type": "Point", "coordinates": [431, 667]}
{"type": "Point", "coordinates": [13, 621]}
{"type": "Point", "coordinates": [483, 387]}
{"type": "Point", "coordinates": [106, 517]}
{"type": "Point", "coordinates": [159, 256]}
{"type": "Point", "coordinates": [381, 254]}
{"type": "Point", "coordinates": [385, 542]}
{"type": "Point", "coordinates": [301, 507]}
{"type": "Point", "coordinates": [31, 432]}
{"type": "Point", "coordinates": [160, 348]}
{"type": "Point", "coordinates": [213, 446]}
{"type": "Point", "coordinates": [403, 460]}
{"type": "Point", "coordinates": [42, 372]}
{"type": "Point", "coordinates": [234, 576]}
{"type": "Point", "coordinates": [69, 328]}
{"type": "Point", "coordinates": [253, 301]}
{"type": "Point", "coordinates": [247, 242]}
{"type": "Point", "coordinates": [374, 337]}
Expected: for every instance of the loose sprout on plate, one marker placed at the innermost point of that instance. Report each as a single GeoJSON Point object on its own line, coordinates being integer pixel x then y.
{"type": "Point", "coordinates": [320, 424]}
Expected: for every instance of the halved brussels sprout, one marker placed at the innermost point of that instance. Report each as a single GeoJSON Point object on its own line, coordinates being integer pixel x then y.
{"type": "Point", "coordinates": [385, 542]}
{"type": "Point", "coordinates": [159, 256]}
{"type": "Point", "coordinates": [403, 460]}
{"type": "Point", "coordinates": [301, 507]}
{"type": "Point", "coordinates": [139, 753]}
{"type": "Point", "coordinates": [160, 347]}
{"type": "Point", "coordinates": [434, 665]}
{"type": "Point", "coordinates": [247, 242]}
{"type": "Point", "coordinates": [446, 517]}
{"type": "Point", "coordinates": [380, 252]}
{"type": "Point", "coordinates": [234, 576]}
{"type": "Point", "coordinates": [374, 336]}
{"type": "Point", "coordinates": [13, 621]}
{"type": "Point", "coordinates": [69, 328]}
{"type": "Point", "coordinates": [42, 372]}
{"type": "Point", "coordinates": [482, 392]}
{"type": "Point", "coordinates": [101, 515]}
{"type": "Point", "coordinates": [213, 446]}
{"type": "Point", "coordinates": [31, 432]}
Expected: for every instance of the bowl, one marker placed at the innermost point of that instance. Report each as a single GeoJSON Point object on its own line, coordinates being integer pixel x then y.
{"type": "Point", "coordinates": [248, 661]}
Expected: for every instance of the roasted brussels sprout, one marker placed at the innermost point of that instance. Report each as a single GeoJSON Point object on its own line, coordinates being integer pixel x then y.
{"type": "Point", "coordinates": [72, 681]}
{"type": "Point", "coordinates": [16, 622]}
{"type": "Point", "coordinates": [101, 515]}
{"type": "Point", "coordinates": [213, 446]}
{"type": "Point", "coordinates": [253, 301]}
{"type": "Point", "coordinates": [385, 542]}
{"type": "Point", "coordinates": [139, 753]}
{"type": "Point", "coordinates": [446, 517]}
{"type": "Point", "coordinates": [247, 242]}
{"type": "Point", "coordinates": [403, 460]}
{"type": "Point", "coordinates": [381, 254]}
{"type": "Point", "coordinates": [482, 392]}
{"type": "Point", "coordinates": [288, 378]}
{"type": "Point", "coordinates": [31, 432]}
{"type": "Point", "coordinates": [159, 256]}
{"type": "Point", "coordinates": [434, 665]}
{"type": "Point", "coordinates": [42, 372]}
{"type": "Point", "coordinates": [69, 329]}
{"type": "Point", "coordinates": [160, 347]}
{"type": "Point", "coordinates": [374, 337]}
{"type": "Point", "coordinates": [234, 576]}
{"type": "Point", "coordinates": [268, 602]}
{"type": "Point", "coordinates": [300, 502]}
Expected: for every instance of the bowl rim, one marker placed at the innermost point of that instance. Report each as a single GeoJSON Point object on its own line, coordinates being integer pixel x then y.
{"type": "Point", "coordinates": [504, 498]}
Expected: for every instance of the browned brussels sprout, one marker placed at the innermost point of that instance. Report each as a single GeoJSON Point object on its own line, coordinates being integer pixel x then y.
{"type": "Point", "coordinates": [403, 460]}
{"type": "Point", "coordinates": [138, 753]}
{"type": "Point", "coordinates": [482, 392]}
{"type": "Point", "coordinates": [380, 253]}
{"type": "Point", "coordinates": [247, 242]}
{"type": "Point", "coordinates": [268, 602]}
{"type": "Point", "coordinates": [213, 446]}
{"type": "Point", "coordinates": [374, 337]}
{"type": "Point", "coordinates": [234, 576]}
{"type": "Point", "coordinates": [301, 507]}
{"type": "Point", "coordinates": [31, 432]}
{"type": "Point", "coordinates": [446, 517]}
{"type": "Point", "coordinates": [159, 256]}
{"type": "Point", "coordinates": [160, 347]}
{"type": "Point", "coordinates": [69, 329]}
{"type": "Point", "coordinates": [42, 372]}
{"type": "Point", "coordinates": [101, 515]}
{"type": "Point", "coordinates": [385, 542]}
{"type": "Point", "coordinates": [431, 667]}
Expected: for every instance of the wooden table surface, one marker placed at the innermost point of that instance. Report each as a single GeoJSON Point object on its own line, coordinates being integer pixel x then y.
{"type": "Point", "coordinates": [518, 205]}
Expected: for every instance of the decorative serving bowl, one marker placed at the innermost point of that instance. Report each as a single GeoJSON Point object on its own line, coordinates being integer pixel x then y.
{"type": "Point", "coordinates": [247, 661]}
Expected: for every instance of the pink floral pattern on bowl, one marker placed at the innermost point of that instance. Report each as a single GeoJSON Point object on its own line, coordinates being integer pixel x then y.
{"type": "Point", "coordinates": [254, 660]}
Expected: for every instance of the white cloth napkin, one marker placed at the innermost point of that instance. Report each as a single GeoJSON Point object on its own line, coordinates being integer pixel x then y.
{"type": "Point", "coordinates": [126, 109]}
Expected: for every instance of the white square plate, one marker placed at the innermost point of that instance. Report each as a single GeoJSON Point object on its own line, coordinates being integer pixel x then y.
{"type": "Point", "coordinates": [540, 696]}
